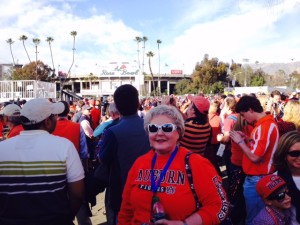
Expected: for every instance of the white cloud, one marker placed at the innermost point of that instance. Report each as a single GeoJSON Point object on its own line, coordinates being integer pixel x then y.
{"type": "Point", "coordinates": [224, 29]}
{"type": "Point", "coordinates": [248, 33]}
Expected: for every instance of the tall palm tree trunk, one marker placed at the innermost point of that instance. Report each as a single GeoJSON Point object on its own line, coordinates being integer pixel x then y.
{"type": "Point", "coordinates": [152, 76]}
{"type": "Point", "coordinates": [73, 33]}
{"type": "Point", "coordinates": [26, 52]}
{"type": "Point", "coordinates": [23, 38]}
{"type": "Point", "coordinates": [10, 42]}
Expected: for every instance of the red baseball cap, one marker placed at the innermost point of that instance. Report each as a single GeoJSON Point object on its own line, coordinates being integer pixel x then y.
{"type": "Point", "coordinates": [201, 103]}
{"type": "Point", "coordinates": [269, 184]}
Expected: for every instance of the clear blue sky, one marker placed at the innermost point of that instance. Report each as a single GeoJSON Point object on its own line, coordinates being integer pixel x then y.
{"type": "Point", "coordinates": [259, 30]}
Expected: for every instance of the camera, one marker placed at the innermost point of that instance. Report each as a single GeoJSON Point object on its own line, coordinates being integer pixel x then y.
{"type": "Point", "coordinates": [104, 105]}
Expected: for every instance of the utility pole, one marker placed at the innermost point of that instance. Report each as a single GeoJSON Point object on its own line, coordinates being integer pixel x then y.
{"type": "Point", "coordinates": [246, 75]}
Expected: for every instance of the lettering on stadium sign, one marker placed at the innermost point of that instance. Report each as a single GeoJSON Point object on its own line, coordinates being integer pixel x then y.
{"type": "Point", "coordinates": [119, 69]}
{"type": "Point", "coordinates": [176, 71]}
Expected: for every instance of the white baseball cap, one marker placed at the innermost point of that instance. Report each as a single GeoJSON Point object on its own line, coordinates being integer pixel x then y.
{"type": "Point", "coordinates": [11, 110]}
{"type": "Point", "coordinates": [37, 110]}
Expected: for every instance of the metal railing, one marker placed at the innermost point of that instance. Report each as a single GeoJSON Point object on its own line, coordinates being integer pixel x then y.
{"type": "Point", "coordinates": [26, 89]}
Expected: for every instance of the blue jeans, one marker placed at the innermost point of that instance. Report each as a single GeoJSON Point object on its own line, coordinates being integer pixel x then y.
{"type": "Point", "coordinates": [254, 203]}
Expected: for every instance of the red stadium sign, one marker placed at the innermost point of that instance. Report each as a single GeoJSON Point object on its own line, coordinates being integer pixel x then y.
{"type": "Point", "coordinates": [176, 71]}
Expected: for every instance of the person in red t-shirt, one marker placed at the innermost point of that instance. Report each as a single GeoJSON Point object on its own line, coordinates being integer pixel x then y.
{"type": "Point", "coordinates": [95, 113]}
{"type": "Point", "coordinates": [257, 159]}
{"type": "Point", "coordinates": [11, 119]}
{"type": "Point", "coordinates": [212, 147]}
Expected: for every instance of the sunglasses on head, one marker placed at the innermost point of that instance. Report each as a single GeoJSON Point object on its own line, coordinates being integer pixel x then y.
{"type": "Point", "coordinates": [280, 196]}
{"type": "Point", "coordinates": [166, 128]}
{"type": "Point", "coordinates": [295, 153]}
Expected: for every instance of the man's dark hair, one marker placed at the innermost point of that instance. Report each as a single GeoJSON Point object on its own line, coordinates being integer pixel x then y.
{"type": "Point", "coordinates": [200, 117]}
{"type": "Point", "coordinates": [275, 92]}
{"type": "Point", "coordinates": [248, 102]}
{"type": "Point", "coordinates": [223, 96]}
{"type": "Point", "coordinates": [27, 126]}
{"type": "Point", "coordinates": [126, 98]}
{"type": "Point", "coordinates": [66, 110]}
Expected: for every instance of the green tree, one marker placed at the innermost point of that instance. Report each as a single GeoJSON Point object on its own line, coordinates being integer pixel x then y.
{"type": "Point", "coordinates": [74, 34]}
{"type": "Point", "coordinates": [279, 79]}
{"type": "Point", "coordinates": [295, 80]}
{"type": "Point", "coordinates": [184, 86]}
{"type": "Point", "coordinates": [150, 55]}
{"type": "Point", "coordinates": [10, 42]}
{"type": "Point", "coordinates": [49, 40]}
{"type": "Point", "coordinates": [257, 78]}
{"type": "Point", "coordinates": [28, 72]}
{"type": "Point", "coordinates": [23, 38]}
{"type": "Point", "coordinates": [207, 73]}
{"type": "Point", "coordinates": [91, 77]}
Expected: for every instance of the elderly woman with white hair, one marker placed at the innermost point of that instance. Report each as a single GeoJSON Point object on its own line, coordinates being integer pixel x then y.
{"type": "Point", "coordinates": [167, 185]}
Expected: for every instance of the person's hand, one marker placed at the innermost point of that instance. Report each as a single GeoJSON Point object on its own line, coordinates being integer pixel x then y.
{"type": "Point", "coordinates": [237, 136]}
{"type": "Point", "coordinates": [220, 137]}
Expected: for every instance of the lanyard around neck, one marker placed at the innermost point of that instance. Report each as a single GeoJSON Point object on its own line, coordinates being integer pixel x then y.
{"type": "Point", "coordinates": [155, 186]}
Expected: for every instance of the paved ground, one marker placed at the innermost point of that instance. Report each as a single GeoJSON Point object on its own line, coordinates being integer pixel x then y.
{"type": "Point", "coordinates": [98, 211]}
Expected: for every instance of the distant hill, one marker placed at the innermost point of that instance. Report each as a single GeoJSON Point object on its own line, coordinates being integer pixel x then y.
{"type": "Point", "coordinates": [272, 68]}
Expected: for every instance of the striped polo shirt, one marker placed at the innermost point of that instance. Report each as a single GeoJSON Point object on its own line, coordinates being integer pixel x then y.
{"type": "Point", "coordinates": [35, 168]}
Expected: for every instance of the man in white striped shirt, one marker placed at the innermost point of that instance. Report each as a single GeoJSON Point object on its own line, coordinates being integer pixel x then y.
{"type": "Point", "coordinates": [41, 175]}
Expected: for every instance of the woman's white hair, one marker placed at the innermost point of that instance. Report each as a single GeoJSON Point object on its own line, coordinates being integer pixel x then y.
{"type": "Point", "coordinates": [169, 111]}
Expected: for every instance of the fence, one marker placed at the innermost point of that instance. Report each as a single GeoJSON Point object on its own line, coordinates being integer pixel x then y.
{"type": "Point", "coordinates": [26, 89]}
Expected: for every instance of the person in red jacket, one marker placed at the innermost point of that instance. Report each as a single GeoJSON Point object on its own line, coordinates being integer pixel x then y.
{"type": "Point", "coordinates": [161, 176]}
{"type": "Point", "coordinates": [11, 119]}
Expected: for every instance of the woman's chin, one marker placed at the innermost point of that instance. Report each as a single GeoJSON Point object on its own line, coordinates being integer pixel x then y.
{"type": "Point", "coordinates": [163, 151]}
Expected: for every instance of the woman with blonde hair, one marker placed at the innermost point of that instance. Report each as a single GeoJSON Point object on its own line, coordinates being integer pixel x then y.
{"type": "Point", "coordinates": [290, 120]}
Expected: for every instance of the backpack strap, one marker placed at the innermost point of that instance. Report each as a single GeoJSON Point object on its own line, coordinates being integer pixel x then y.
{"type": "Point", "coordinates": [190, 179]}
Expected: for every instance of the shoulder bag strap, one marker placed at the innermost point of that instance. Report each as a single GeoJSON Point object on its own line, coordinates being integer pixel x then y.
{"type": "Point", "coordinates": [190, 179]}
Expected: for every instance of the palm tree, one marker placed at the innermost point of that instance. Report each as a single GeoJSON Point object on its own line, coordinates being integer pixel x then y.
{"type": "Point", "coordinates": [73, 33]}
{"type": "Point", "coordinates": [49, 40]}
{"type": "Point", "coordinates": [144, 42]}
{"type": "Point", "coordinates": [10, 42]}
{"type": "Point", "coordinates": [138, 40]}
{"type": "Point", "coordinates": [149, 55]}
{"type": "Point", "coordinates": [23, 38]}
{"type": "Point", "coordinates": [36, 42]}
{"type": "Point", "coordinates": [158, 43]}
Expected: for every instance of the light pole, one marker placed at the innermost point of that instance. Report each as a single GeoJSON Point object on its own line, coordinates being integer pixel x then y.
{"type": "Point", "coordinates": [245, 81]}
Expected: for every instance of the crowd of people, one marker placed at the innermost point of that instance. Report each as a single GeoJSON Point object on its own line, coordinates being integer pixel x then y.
{"type": "Point", "coordinates": [193, 159]}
